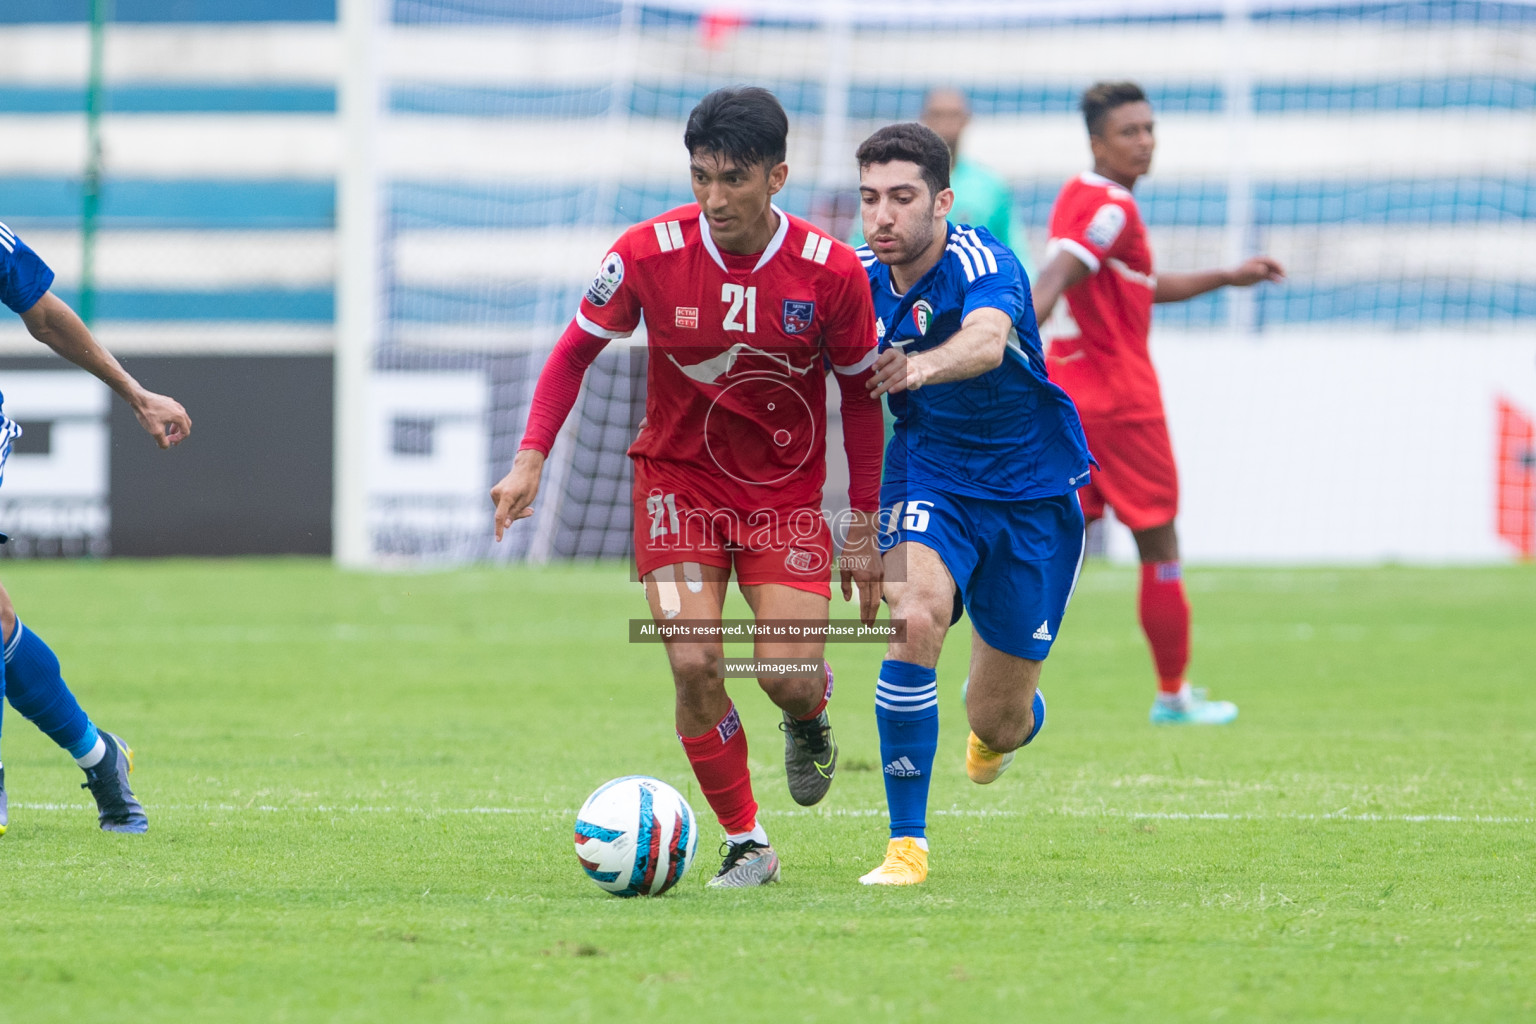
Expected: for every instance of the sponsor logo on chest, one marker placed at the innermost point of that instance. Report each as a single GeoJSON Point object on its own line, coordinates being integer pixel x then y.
{"type": "Point", "coordinates": [687, 316]}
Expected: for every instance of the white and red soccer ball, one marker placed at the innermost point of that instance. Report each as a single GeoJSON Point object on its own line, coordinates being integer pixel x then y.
{"type": "Point", "coordinates": [635, 836]}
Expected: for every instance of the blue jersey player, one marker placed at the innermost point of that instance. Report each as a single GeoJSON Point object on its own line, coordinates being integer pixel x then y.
{"type": "Point", "coordinates": [30, 676]}
{"type": "Point", "coordinates": [979, 498]}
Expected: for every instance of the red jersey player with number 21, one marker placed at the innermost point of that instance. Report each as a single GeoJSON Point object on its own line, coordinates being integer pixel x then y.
{"type": "Point", "coordinates": [744, 308]}
{"type": "Point", "coordinates": [1098, 287]}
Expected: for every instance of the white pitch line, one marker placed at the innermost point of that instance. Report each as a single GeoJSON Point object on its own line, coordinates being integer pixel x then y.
{"type": "Point", "coordinates": [840, 812]}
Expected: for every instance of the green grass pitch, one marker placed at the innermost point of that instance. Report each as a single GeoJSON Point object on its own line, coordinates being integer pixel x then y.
{"type": "Point", "coordinates": [361, 790]}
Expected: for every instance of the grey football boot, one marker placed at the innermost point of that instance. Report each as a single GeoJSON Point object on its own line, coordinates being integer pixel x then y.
{"type": "Point", "coordinates": [810, 755]}
{"type": "Point", "coordinates": [746, 863]}
{"type": "Point", "coordinates": [117, 808]}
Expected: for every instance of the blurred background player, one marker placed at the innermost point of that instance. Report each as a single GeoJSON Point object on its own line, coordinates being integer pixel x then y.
{"type": "Point", "coordinates": [31, 676]}
{"type": "Point", "coordinates": [743, 304]}
{"type": "Point", "coordinates": [1095, 298]}
{"type": "Point", "coordinates": [979, 496]}
{"type": "Point", "coordinates": [982, 197]}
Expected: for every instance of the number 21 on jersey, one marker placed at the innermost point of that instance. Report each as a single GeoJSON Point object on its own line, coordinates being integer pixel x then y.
{"type": "Point", "coordinates": [663, 512]}
{"type": "Point", "coordinates": [743, 300]}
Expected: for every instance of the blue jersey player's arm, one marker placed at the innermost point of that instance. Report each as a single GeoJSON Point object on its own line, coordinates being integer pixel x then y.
{"type": "Point", "coordinates": [24, 287]}
{"type": "Point", "coordinates": [994, 302]}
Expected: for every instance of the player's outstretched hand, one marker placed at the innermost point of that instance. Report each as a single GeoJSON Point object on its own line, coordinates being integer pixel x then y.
{"type": "Point", "coordinates": [1256, 269]}
{"type": "Point", "coordinates": [515, 493]}
{"type": "Point", "coordinates": [163, 417]}
{"type": "Point", "coordinates": [861, 564]}
{"type": "Point", "coordinates": [893, 373]}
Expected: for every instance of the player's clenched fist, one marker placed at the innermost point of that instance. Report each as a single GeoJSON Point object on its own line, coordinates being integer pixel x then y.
{"type": "Point", "coordinates": [163, 417]}
{"type": "Point", "coordinates": [515, 493]}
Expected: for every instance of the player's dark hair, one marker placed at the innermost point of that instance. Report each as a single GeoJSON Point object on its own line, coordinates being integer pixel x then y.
{"type": "Point", "coordinates": [746, 125]}
{"type": "Point", "coordinates": [1102, 97]}
{"type": "Point", "coordinates": [913, 142]}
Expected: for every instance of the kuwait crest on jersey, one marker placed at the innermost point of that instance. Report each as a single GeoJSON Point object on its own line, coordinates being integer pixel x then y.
{"type": "Point", "coordinates": [922, 316]}
{"type": "Point", "coordinates": [797, 315]}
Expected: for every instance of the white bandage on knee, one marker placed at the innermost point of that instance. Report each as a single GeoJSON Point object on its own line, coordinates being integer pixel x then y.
{"type": "Point", "coordinates": [693, 575]}
{"type": "Point", "coordinates": [667, 595]}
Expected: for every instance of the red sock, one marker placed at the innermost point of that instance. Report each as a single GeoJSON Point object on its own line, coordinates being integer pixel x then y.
{"type": "Point", "coordinates": [821, 705]}
{"type": "Point", "coordinates": [719, 759]}
{"type": "Point", "coordinates": [1165, 620]}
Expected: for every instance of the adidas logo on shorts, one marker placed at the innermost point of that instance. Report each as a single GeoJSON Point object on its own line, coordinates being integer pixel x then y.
{"type": "Point", "coordinates": [902, 768]}
{"type": "Point", "coordinates": [1044, 632]}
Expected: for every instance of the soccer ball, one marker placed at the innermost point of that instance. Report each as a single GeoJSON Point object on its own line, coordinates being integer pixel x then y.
{"type": "Point", "coordinates": [636, 836]}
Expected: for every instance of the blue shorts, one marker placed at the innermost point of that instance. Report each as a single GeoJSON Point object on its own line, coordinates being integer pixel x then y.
{"type": "Point", "coordinates": [1014, 562]}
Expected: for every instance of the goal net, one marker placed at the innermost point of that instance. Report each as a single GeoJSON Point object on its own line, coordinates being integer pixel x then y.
{"type": "Point", "coordinates": [1383, 152]}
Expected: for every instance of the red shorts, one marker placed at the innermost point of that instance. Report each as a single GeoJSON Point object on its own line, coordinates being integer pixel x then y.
{"type": "Point", "coordinates": [792, 548]}
{"type": "Point", "coordinates": [1136, 475]}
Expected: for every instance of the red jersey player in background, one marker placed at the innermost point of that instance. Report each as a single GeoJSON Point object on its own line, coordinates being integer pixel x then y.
{"type": "Point", "coordinates": [1097, 288]}
{"type": "Point", "coordinates": [744, 307]}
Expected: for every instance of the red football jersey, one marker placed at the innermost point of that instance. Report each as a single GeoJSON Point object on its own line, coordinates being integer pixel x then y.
{"type": "Point", "coordinates": [1098, 330]}
{"type": "Point", "coordinates": [739, 346]}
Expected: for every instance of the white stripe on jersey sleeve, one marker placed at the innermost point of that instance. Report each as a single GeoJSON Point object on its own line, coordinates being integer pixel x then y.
{"type": "Point", "coordinates": [1078, 249]}
{"type": "Point", "coordinates": [809, 250]}
{"type": "Point", "coordinates": [675, 229]}
{"type": "Point", "coordinates": [965, 247]}
{"type": "Point", "coordinates": [976, 254]}
{"type": "Point", "coordinates": [860, 366]}
{"type": "Point", "coordinates": [965, 260]}
{"type": "Point", "coordinates": [823, 250]}
{"type": "Point", "coordinates": [982, 248]}
{"type": "Point", "coordinates": [594, 328]}
{"type": "Point", "coordinates": [662, 238]}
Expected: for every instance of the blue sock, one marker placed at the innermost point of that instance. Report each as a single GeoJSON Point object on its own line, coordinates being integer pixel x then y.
{"type": "Point", "coordinates": [1037, 708]}
{"type": "Point", "coordinates": [36, 689]}
{"type": "Point", "coordinates": [907, 712]}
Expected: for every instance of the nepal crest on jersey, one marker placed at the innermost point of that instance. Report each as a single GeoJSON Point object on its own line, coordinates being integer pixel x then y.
{"type": "Point", "coordinates": [798, 315]}
{"type": "Point", "coordinates": [922, 316]}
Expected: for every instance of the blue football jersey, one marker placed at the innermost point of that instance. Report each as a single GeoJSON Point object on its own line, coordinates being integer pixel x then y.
{"type": "Point", "coordinates": [24, 277]}
{"type": "Point", "coordinates": [1008, 434]}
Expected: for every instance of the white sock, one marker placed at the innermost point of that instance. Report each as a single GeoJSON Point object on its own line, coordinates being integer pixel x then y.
{"type": "Point", "coordinates": [1179, 699]}
{"type": "Point", "coordinates": [921, 842]}
{"type": "Point", "coordinates": [93, 756]}
{"type": "Point", "coordinates": [757, 835]}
